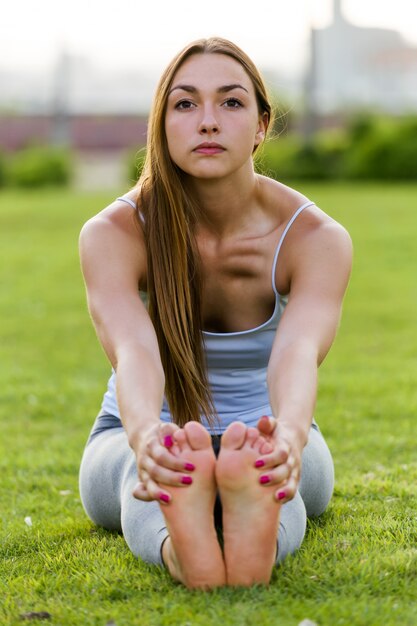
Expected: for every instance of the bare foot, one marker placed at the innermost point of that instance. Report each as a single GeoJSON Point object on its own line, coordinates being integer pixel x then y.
{"type": "Point", "coordinates": [192, 552]}
{"type": "Point", "coordinates": [250, 512]}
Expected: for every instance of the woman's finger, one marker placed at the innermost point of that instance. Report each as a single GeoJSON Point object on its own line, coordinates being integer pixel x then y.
{"type": "Point", "coordinates": [287, 491]}
{"type": "Point", "coordinates": [164, 457]}
{"type": "Point", "coordinates": [164, 476]}
{"type": "Point", "coordinates": [166, 434]}
{"type": "Point", "coordinates": [155, 491]}
{"type": "Point", "coordinates": [266, 446]}
{"type": "Point", "coordinates": [267, 424]}
{"type": "Point", "coordinates": [277, 457]}
{"type": "Point", "coordinates": [141, 493]}
{"type": "Point", "coordinates": [143, 476]}
{"type": "Point", "coordinates": [276, 476]}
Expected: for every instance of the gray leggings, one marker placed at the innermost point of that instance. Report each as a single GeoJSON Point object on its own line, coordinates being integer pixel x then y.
{"type": "Point", "coordinates": [108, 475]}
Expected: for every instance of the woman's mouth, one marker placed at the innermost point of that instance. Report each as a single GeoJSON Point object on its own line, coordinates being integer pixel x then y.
{"type": "Point", "coordinates": [209, 148]}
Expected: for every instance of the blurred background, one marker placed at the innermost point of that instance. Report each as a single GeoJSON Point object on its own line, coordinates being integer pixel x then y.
{"type": "Point", "coordinates": [77, 80]}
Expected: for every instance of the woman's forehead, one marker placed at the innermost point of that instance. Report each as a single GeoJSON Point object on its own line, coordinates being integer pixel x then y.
{"type": "Point", "coordinates": [211, 67]}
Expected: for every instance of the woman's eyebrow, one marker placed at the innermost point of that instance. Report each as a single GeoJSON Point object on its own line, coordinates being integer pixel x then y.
{"type": "Point", "coordinates": [223, 89]}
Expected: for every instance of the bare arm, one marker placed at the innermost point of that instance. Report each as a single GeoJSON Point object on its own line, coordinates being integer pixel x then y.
{"type": "Point", "coordinates": [306, 332]}
{"type": "Point", "coordinates": [308, 326]}
{"type": "Point", "coordinates": [113, 260]}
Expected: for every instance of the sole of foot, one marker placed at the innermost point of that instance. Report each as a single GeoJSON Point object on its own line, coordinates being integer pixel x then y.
{"type": "Point", "coordinates": [192, 553]}
{"type": "Point", "coordinates": [250, 511]}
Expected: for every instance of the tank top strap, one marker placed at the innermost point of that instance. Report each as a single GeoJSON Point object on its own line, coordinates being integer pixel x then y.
{"type": "Point", "coordinates": [281, 240]}
{"type": "Point", "coordinates": [132, 204]}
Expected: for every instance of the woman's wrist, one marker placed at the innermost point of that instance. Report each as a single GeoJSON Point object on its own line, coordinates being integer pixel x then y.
{"type": "Point", "coordinates": [136, 434]}
{"type": "Point", "coordinates": [295, 434]}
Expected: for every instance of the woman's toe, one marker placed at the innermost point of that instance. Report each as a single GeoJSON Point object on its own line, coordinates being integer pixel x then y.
{"type": "Point", "coordinates": [234, 436]}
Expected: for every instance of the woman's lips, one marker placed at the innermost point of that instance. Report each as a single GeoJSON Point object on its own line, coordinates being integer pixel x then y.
{"type": "Point", "coordinates": [209, 148]}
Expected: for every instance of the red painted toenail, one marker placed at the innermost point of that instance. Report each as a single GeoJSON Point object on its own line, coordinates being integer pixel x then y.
{"type": "Point", "coordinates": [164, 497]}
{"type": "Point", "coordinates": [168, 441]}
{"type": "Point", "coordinates": [281, 495]}
{"type": "Point", "coordinates": [264, 479]}
{"type": "Point", "coordinates": [186, 480]}
{"type": "Point", "coordinates": [189, 467]}
{"type": "Point", "coordinates": [259, 463]}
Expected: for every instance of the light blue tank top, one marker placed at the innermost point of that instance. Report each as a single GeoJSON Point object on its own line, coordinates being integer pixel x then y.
{"type": "Point", "coordinates": [237, 364]}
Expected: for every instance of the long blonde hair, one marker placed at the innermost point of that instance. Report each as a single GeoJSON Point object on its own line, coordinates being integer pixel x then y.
{"type": "Point", "coordinates": [174, 277]}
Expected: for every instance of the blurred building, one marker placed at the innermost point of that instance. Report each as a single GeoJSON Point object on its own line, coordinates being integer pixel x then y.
{"type": "Point", "coordinates": [352, 67]}
{"type": "Point", "coordinates": [81, 133]}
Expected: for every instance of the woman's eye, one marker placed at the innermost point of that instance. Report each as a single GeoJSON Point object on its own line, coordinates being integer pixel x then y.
{"type": "Point", "coordinates": [184, 104]}
{"type": "Point", "coordinates": [233, 103]}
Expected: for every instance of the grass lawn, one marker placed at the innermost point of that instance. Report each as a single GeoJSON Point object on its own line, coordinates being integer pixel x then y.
{"type": "Point", "coordinates": [357, 565]}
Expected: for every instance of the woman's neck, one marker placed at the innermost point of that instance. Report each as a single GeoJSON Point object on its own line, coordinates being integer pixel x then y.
{"type": "Point", "coordinates": [227, 205]}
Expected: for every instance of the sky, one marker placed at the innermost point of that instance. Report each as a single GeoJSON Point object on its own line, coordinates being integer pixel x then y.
{"type": "Point", "coordinates": [145, 35]}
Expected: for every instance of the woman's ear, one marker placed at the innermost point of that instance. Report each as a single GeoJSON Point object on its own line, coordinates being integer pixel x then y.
{"type": "Point", "coordinates": [261, 129]}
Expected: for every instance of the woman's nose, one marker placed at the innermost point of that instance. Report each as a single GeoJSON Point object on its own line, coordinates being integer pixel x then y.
{"type": "Point", "coordinates": [208, 122]}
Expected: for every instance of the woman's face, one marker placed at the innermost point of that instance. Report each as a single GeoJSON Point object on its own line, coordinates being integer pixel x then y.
{"type": "Point", "coordinates": [212, 120]}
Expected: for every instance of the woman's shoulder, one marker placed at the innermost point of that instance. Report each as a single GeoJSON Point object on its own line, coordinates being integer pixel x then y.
{"type": "Point", "coordinates": [321, 246]}
{"type": "Point", "coordinates": [281, 200]}
{"type": "Point", "coordinates": [113, 239]}
{"type": "Point", "coordinates": [286, 201]}
{"type": "Point", "coordinates": [117, 219]}
{"type": "Point", "coordinates": [314, 237]}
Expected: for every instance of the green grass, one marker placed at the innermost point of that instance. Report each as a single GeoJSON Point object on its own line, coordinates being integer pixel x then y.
{"type": "Point", "coordinates": [357, 565]}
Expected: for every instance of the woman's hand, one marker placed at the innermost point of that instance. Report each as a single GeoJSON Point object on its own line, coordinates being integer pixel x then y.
{"type": "Point", "coordinates": [158, 465]}
{"type": "Point", "coordinates": [282, 466]}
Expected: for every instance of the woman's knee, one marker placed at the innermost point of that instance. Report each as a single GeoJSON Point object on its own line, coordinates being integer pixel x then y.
{"type": "Point", "coordinates": [292, 527]}
{"type": "Point", "coordinates": [108, 475]}
{"type": "Point", "coordinates": [317, 475]}
{"type": "Point", "coordinates": [143, 525]}
{"type": "Point", "coordinates": [99, 479]}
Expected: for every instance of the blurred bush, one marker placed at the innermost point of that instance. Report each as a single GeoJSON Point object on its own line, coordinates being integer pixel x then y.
{"type": "Point", "coordinates": [369, 148]}
{"type": "Point", "coordinates": [135, 161]}
{"type": "Point", "coordinates": [383, 149]}
{"type": "Point", "coordinates": [39, 166]}
{"type": "Point", "coordinates": [3, 169]}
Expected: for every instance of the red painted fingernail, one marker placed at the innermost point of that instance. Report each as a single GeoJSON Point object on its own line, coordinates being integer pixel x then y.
{"type": "Point", "coordinates": [168, 441]}
{"type": "Point", "coordinates": [164, 497]}
{"type": "Point", "coordinates": [264, 479]}
{"type": "Point", "coordinates": [186, 480]}
{"type": "Point", "coordinates": [281, 495]}
{"type": "Point", "coordinates": [259, 463]}
{"type": "Point", "coordinates": [189, 467]}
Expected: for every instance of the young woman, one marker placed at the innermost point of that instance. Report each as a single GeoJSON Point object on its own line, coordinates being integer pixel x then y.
{"type": "Point", "coordinates": [205, 453]}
